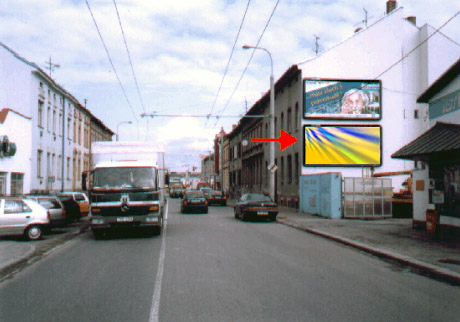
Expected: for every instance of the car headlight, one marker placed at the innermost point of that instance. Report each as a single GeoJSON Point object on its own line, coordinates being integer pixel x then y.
{"type": "Point", "coordinates": [151, 219]}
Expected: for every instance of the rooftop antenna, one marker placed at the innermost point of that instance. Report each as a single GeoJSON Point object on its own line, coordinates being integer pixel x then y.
{"type": "Point", "coordinates": [51, 66]}
{"type": "Point", "coordinates": [364, 21]}
{"type": "Point", "coordinates": [316, 44]}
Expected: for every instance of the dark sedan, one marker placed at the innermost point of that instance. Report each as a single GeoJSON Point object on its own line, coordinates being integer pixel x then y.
{"type": "Point", "coordinates": [255, 205]}
{"type": "Point", "coordinates": [194, 201]}
{"type": "Point", "coordinates": [217, 197]}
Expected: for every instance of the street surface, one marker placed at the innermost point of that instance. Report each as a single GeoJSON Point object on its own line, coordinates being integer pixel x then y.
{"type": "Point", "coordinates": [212, 267]}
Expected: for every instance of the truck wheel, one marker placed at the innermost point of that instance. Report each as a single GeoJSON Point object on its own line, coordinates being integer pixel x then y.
{"type": "Point", "coordinates": [34, 232]}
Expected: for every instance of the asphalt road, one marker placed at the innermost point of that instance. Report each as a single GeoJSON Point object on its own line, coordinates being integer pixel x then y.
{"type": "Point", "coordinates": [212, 267]}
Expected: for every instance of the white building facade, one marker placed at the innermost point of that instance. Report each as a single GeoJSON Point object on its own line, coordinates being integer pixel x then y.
{"type": "Point", "coordinates": [58, 130]}
{"type": "Point", "coordinates": [399, 54]}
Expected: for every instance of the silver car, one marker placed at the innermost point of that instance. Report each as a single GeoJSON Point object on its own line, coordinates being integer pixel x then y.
{"type": "Point", "coordinates": [56, 208]}
{"type": "Point", "coordinates": [22, 216]}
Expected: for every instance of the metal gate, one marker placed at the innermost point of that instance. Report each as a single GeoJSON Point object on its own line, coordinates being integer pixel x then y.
{"type": "Point", "coordinates": [367, 197]}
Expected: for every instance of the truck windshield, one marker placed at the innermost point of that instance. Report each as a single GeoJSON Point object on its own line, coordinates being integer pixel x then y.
{"type": "Point", "coordinates": [129, 177]}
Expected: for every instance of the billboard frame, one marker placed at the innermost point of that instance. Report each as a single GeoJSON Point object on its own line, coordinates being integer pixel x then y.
{"type": "Point", "coordinates": [370, 165]}
{"type": "Point", "coordinates": [341, 116]}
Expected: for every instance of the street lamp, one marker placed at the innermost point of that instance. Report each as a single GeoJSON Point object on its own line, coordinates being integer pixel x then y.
{"type": "Point", "coordinates": [124, 122]}
{"type": "Point", "coordinates": [272, 122]}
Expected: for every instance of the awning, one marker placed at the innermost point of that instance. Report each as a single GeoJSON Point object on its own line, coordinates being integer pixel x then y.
{"type": "Point", "coordinates": [440, 142]}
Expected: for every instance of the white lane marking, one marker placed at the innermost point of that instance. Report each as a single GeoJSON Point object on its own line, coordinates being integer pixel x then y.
{"type": "Point", "coordinates": [155, 309]}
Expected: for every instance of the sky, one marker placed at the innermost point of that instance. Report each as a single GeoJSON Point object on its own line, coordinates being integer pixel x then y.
{"type": "Point", "coordinates": [185, 57]}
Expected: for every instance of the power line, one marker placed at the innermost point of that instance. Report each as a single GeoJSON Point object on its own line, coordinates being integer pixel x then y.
{"type": "Point", "coordinates": [416, 47]}
{"type": "Point", "coordinates": [111, 63]}
{"type": "Point", "coordinates": [129, 55]}
{"type": "Point", "coordinates": [250, 59]}
{"type": "Point", "coordinates": [229, 59]}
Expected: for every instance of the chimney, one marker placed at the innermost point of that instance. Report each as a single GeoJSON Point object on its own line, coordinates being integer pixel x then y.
{"type": "Point", "coordinates": [412, 19]}
{"type": "Point", "coordinates": [391, 5]}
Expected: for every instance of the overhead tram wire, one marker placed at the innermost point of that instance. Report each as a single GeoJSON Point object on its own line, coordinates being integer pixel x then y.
{"type": "Point", "coordinates": [229, 59]}
{"type": "Point", "coordinates": [113, 66]}
{"type": "Point", "coordinates": [130, 60]}
{"type": "Point", "coordinates": [129, 56]}
{"type": "Point", "coordinates": [420, 44]}
{"type": "Point", "coordinates": [250, 59]}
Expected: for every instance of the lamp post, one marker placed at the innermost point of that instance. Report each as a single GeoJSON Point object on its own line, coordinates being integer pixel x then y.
{"type": "Point", "coordinates": [124, 122]}
{"type": "Point", "coordinates": [272, 122]}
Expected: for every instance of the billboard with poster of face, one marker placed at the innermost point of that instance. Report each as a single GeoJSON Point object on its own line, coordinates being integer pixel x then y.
{"type": "Point", "coordinates": [342, 99]}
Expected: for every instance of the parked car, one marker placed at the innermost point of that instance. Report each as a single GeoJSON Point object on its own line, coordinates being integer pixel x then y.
{"type": "Point", "coordinates": [81, 199]}
{"type": "Point", "coordinates": [206, 191]}
{"type": "Point", "coordinates": [23, 216]}
{"type": "Point", "coordinates": [217, 197]}
{"type": "Point", "coordinates": [194, 200]}
{"type": "Point", "coordinates": [56, 208]}
{"type": "Point", "coordinates": [255, 205]}
{"type": "Point", "coordinates": [72, 207]}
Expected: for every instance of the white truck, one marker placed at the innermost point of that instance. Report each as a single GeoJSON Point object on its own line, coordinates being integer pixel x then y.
{"type": "Point", "coordinates": [126, 186]}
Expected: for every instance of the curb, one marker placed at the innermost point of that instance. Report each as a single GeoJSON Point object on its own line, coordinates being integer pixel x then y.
{"type": "Point", "coordinates": [426, 269]}
{"type": "Point", "coordinates": [15, 260]}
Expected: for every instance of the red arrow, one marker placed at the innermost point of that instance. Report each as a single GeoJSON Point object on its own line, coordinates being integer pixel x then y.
{"type": "Point", "coordinates": [285, 140]}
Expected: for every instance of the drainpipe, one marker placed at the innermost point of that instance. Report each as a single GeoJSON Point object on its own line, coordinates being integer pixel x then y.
{"type": "Point", "coordinates": [64, 117]}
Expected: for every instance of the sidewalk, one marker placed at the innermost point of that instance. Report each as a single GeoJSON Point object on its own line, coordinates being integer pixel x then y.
{"type": "Point", "coordinates": [392, 239]}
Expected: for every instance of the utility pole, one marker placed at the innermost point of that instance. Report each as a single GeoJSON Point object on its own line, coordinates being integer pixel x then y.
{"type": "Point", "coordinates": [51, 66]}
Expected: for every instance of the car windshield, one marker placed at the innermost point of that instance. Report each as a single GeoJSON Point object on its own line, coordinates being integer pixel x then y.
{"type": "Point", "coordinates": [194, 195]}
{"type": "Point", "coordinates": [126, 177]}
{"type": "Point", "coordinates": [258, 197]}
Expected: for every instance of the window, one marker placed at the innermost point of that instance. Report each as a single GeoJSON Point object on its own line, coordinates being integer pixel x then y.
{"type": "Point", "coordinates": [17, 183]}
{"type": "Point", "coordinates": [48, 119]}
{"type": "Point", "coordinates": [288, 125]}
{"type": "Point", "coordinates": [15, 206]}
{"type": "Point", "coordinates": [39, 163]}
{"type": "Point", "coordinates": [282, 170]}
{"type": "Point", "coordinates": [296, 116]}
{"type": "Point", "coordinates": [68, 127]}
{"type": "Point", "coordinates": [59, 167]}
{"type": "Point", "coordinates": [79, 133]}
{"type": "Point", "coordinates": [281, 123]}
{"type": "Point", "coordinates": [60, 124]}
{"type": "Point", "coordinates": [416, 114]}
{"type": "Point", "coordinates": [40, 114]}
{"type": "Point", "coordinates": [54, 122]}
{"type": "Point", "coordinates": [53, 164]}
{"type": "Point", "coordinates": [289, 168]}
{"type": "Point", "coordinates": [3, 183]}
{"type": "Point", "coordinates": [296, 167]}
{"type": "Point", "coordinates": [75, 130]}
{"type": "Point", "coordinates": [68, 168]}
{"type": "Point", "coordinates": [48, 164]}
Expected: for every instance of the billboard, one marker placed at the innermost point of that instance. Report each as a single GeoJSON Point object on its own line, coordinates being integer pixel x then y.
{"type": "Point", "coordinates": [342, 145]}
{"type": "Point", "coordinates": [342, 99]}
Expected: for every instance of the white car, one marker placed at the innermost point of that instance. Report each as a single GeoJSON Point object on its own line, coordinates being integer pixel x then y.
{"type": "Point", "coordinates": [22, 216]}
